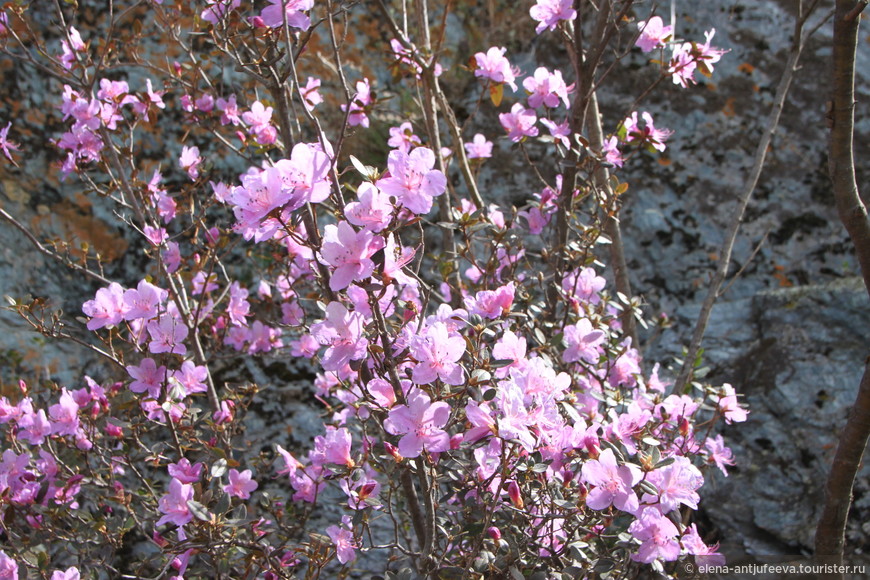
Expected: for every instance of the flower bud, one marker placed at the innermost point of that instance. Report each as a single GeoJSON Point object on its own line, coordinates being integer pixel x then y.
{"type": "Point", "coordinates": [514, 494]}
{"type": "Point", "coordinates": [494, 533]}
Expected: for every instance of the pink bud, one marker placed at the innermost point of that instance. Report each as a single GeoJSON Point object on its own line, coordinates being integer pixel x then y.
{"type": "Point", "coordinates": [456, 440]}
{"type": "Point", "coordinates": [494, 533]}
{"type": "Point", "coordinates": [514, 494]}
{"type": "Point", "coordinates": [257, 22]}
{"type": "Point", "coordinates": [113, 430]}
{"type": "Point", "coordinates": [392, 450]}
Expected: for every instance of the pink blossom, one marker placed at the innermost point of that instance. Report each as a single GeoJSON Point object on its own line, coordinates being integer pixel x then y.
{"type": "Point", "coordinates": [310, 93]}
{"type": "Point", "coordinates": [334, 447]}
{"type": "Point", "coordinates": [107, 308]}
{"type": "Point", "coordinates": [560, 132]}
{"type": "Point", "coordinates": [71, 573]}
{"type": "Point", "coordinates": [658, 536]}
{"type": "Point", "coordinates": [549, 13]}
{"type": "Point", "coordinates": [64, 415]}
{"type": "Point", "coordinates": [349, 252]}
{"type": "Point", "coordinates": [360, 105]}
{"type": "Point", "coordinates": [70, 45]}
{"type": "Point", "coordinates": [479, 148]}
{"type": "Point", "coordinates": [648, 135]}
{"type": "Point", "coordinates": [216, 10]}
{"type": "Point", "coordinates": [373, 211]}
{"type": "Point", "coordinates": [6, 145]}
{"type": "Point", "coordinates": [172, 257]}
{"type": "Point", "coordinates": [342, 331]}
{"type": "Point", "coordinates": [494, 66]}
{"type": "Point", "coordinates": [191, 377]}
{"type": "Point", "coordinates": [704, 555]}
{"type": "Point", "coordinates": [690, 56]}
{"type": "Point", "coordinates": [190, 160]}
{"type": "Point", "coordinates": [612, 483]}
{"type": "Point", "coordinates": [143, 302]}
{"type": "Point", "coordinates": [718, 453]}
{"type": "Point", "coordinates": [342, 537]}
{"type": "Point", "coordinates": [546, 88]}
{"type": "Point", "coordinates": [274, 17]}
{"type": "Point", "coordinates": [403, 138]}
{"type": "Point", "coordinates": [438, 353]}
{"type": "Point", "coordinates": [510, 347]}
{"type": "Point", "coordinates": [729, 406]}
{"type": "Point", "coordinates": [519, 123]}
{"type": "Point", "coordinates": [582, 342]}
{"type": "Point", "coordinates": [413, 179]}
{"type": "Point", "coordinates": [33, 427]}
{"type": "Point", "coordinates": [611, 151]}
{"type": "Point", "coordinates": [492, 304]}
{"type": "Point", "coordinates": [229, 110]}
{"type": "Point", "coordinates": [167, 335]}
{"type": "Point", "coordinates": [421, 424]}
{"type": "Point", "coordinates": [147, 377]}
{"type": "Point", "coordinates": [173, 505]}
{"type": "Point", "coordinates": [184, 472]}
{"type": "Point", "coordinates": [653, 34]}
{"type": "Point", "coordinates": [240, 484]}
{"type": "Point", "coordinates": [677, 484]}
{"type": "Point", "coordinates": [155, 236]}
{"type": "Point", "coordinates": [238, 308]}
{"type": "Point", "coordinates": [8, 566]}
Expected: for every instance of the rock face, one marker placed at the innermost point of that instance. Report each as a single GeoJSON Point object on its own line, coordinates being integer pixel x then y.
{"type": "Point", "coordinates": [790, 334]}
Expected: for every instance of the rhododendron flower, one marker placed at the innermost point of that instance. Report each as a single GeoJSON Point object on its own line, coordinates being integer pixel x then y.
{"type": "Point", "coordinates": [403, 138]}
{"type": "Point", "coordinates": [184, 472]}
{"type": "Point", "coordinates": [653, 34]}
{"type": "Point", "coordinates": [373, 211]}
{"type": "Point", "coordinates": [71, 44]}
{"type": "Point", "coordinates": [349, 252]}
{"type": "Point", "coordinates": [729, 406]}
{"type": "Point", "coordinates": [8, 567]}
{"type": "Point", "coordinates": [560, 132]}
{"type": "Point", "coordinates": [64, 415]}
{"type": "Point", "coordinates": [229, 109]}
{"type": "Point", "coordinates": [677, 484]}
{"type": "Point", "coordinates": [216, 10]}
{"type": "Point", "coordinates": [704, 555]}
{"type": "Point", "coordinates": [546, 88]}
{"type": "Point", "coordinates": [421, 423]}
{"type": "Point", "coordinates": [658, 536]}
{"type": "Point", "coordinates": [413, 179]}
{"type": "Point", "coordinates": [582, 342]}
{"type": "Point", "coordinates": [274, 16]}
{"type": "Point", "coordinates": [310, 93]}
{"type": "Point", "coordinates": [519, 123]}
{"type": "Point", "coordinates": [342, 537]}
{"type": "Point", "coordinates": [143, 302]}
{"type": "Point", "coordinates": [240, 484]}
{"type": "Point", "coordinates": [494, 66]}
{"type": "Point", "coordinates": [718, 453]}
{"type": "Point", "coordinates": [359, 105]}
{"type": "Point", "coordinates": [107, 308]}
{"type": "Point", "coordinates": [342, 331]}
{"type": "Point", "coordinates": [6, 145]}
{"type": "Point", "coordinates": [690, 56]}
{"type": "Point", "coordinates": [549, 13]}
{"type": "Point", "coordinates": [173, 505]}
{"type": "Point", "coordinates": [611, 151]}
{"type": "Point", "coordinates": [190, 160]}
{"type": "Point", "coordinates": [147, 377]}
{"type": "Point", "coordinates": [648, 135]}
{"type": "Point", "coordinates": [334, 447]}
{"type": "Point", "coordinates": [71, 573]}
{"type": "Point", "coordinates": [191, 377]}
{"type": "Point", "coordinates": [612, 483]}
{"type": "Point", "coordinates": [167, 335]}
{"type": "Point", "coordinates": [479, 148]}
{"type": "Point", "coordinates": [438, 353]}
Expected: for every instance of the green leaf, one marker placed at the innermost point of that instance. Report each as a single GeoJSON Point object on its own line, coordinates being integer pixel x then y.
{"type": "Point", "coordinates": [198, 510]}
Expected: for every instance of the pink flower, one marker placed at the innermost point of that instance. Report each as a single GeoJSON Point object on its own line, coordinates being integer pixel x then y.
{"type": "Point", "coordinates": [658, 536]}
{"type": "Point", "coordinates": [546, 88]}
{"type": "Point", "coordinates": [519, 123]}
{"type": "Point", "coordinates": [413, 179]}
{"type": "Point", "coordinates": [64, 415]}
{"type": "Point", "coordinates": [167, 335]}
{"type": "Point", "coordinates": [7, 145]}
{"type": "Point", "coordinates": [611, 151]}
{"type": "Point", "coordinates": [147, 378]}
{"type": "Point", "coordinates": [229, 110]}
{"type": "Point", "coordinates": [349, 252]}
{"type": "Point", "coordinates": [582, 342]}
{"type": "Point", "coordinates": [240, 484]}
{"type": "Point", "coordinates": [342, 537]}
{"type": "Point", "coordinates": [718, 453]}
{"type": "Point", "coordinates": [479, 148]}
{"type": "Point", "coordinates": [334, 447]}
{"type": "Point", "coordinates": [107, 308]}
{"type": "Point", "coordinates": [373, 211]}
{"type": "Point", "coordinates": [648, 135]}
{"type": "Point", "coordinates": [8, 567]}
{"type": "Point", "coordinates": [216, 10]}
{"type": "Point", "coordinates": [360, 105]}
{"type": "Point", "coordinates": [677, 484]}
{"type": "Point", "coordinates": [653, 34]}
{"type": "Point", "coordinates": [273, 16]}
{"type": "Point", "coordinates": [438, 353]}
{"type": "Point", "coordinates": [492, 304]}
{"type": "Point", "coordinates": [184, 472]}
{"type": "Point", "coordinates": [71, 573]}
{"type": "Point", "coordinates": [549, 13]}
{"type": "Point", "coordinates": [191, 377]}
{"type": "Point", "coordinates": [173, 505]}
{"type": "Point", "coordinates": [310, 93]}
{"type": "Point", "coordinates": [190, 160]}
{"type": "Point", "coordinates": [729, 406]}
{"type": "Point", "coordinates": [403, 138]}
{"type": "Point", "coordinates": [342, 331]}
{"type": "Point", "coordinates": [494, 66]}
{"type": "Point", "coordinates": [690, 56]}
{"type": "Point", "coordinates": [143, 302]}
{"type": "Point", "coordinates": [421, 422]}
{"type": "Point", "coordinates": [612, 483]}
{"type": "Point", "coordinates": [560, 132]}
